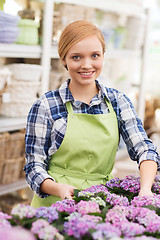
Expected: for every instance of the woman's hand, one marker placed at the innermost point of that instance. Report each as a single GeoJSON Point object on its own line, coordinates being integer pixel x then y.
{"type": "Point", "coordinates": [148, 171]}
{"type": "Point", "coordinates": [145, 192]}
{"type": "Point", "coordinates": [58, 189]}
{"type": "Point", "coordinates": [65, 191]}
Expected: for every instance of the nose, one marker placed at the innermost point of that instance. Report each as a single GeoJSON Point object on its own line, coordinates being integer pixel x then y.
{"type": "Point", "coordinates": [86, 63]}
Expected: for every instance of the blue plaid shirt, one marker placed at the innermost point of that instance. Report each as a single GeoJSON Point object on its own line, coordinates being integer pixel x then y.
{"type": "Point", "coordinates": [47, 122]}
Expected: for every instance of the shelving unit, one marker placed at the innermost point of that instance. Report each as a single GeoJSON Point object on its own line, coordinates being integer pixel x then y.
{"type": "Point", "coordinates": [8, 188]}
{"type": "Point", "coordinates": [47, 51]}
{"type": "Point", "coordinates": [116, 6]}
{"type": "Point", "coordinates": [12, 124]}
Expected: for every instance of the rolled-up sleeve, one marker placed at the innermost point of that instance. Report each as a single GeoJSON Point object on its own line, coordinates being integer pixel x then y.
{"type": "Point", "coordinates": [139, 146]}
{"type": "Point", "coordinates": [37, 143]}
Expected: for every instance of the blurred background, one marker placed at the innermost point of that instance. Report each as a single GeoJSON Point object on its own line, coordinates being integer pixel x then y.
{"type": "Point", "coordinates": [30, 66]}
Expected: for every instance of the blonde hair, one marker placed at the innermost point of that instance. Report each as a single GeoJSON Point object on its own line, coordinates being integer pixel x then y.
{"type": "Point", "coordinates": [75, 32]}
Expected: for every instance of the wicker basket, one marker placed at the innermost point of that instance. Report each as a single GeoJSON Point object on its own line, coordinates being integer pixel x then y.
{"type": "Point", "coordinates": [26, 72]}
{"type": "Point", "coordinates": [16, 145]}
{"type": "Point", "coordinates": [16, 109]}
{"type": "Point", "coordinates": [11, 170]}
{"type": "Point", "coordinates": [1, 171]}
{"type": "Point", "coordinates": [22, 172]}
{"type": "Point", "coordinates": [25, 90]}
{"type": "Point", "coordinates": [4, 137]}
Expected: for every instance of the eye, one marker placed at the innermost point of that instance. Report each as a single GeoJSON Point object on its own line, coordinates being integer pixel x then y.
{"type": "Point", "coordinates": [76, 57]}
{"type": "Point", "coordinates": [95, 55]}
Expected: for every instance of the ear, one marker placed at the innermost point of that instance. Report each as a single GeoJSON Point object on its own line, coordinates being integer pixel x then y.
{"type": "Point", "coordinates": [64, 62]}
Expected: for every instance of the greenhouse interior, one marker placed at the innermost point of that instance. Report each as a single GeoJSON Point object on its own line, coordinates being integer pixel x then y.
{"type": "Point", "coordinates": [79, 119]}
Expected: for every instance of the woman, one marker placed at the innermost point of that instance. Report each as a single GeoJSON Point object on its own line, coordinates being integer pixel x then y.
{"type": "Point", "coordinates": [73, 132]}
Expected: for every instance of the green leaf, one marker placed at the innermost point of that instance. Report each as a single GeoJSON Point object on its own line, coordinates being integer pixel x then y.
{"type": "Point", "coordinates": [152, 207]}
{"type": "Point", "coordinates": [76, 191]}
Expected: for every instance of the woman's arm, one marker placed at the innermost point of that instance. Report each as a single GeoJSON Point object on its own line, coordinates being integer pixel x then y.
{"type": "Point", "coordinates": [37, 143]}
{"type": "Point", "coordinates": [139, 146]}
{"type": "Point", "coordinates": [148, 171]}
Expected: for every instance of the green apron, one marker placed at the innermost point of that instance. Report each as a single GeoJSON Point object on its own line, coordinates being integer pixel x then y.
{"type": "Point", "coordinates": [87, 153]}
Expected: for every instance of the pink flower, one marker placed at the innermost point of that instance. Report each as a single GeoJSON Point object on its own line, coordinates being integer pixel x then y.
{"type": "Point", "coordinates": [15, 233]}
{"type": "Point", "coordinates": [45, 231]}
{"type": "Point", "coordinates": [4, 216]}
{"type": "Point", "coordinates": [85, 207]}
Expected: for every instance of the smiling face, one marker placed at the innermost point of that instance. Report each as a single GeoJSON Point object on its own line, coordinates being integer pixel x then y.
{"type": "Point", "coordinates": [84, 60]}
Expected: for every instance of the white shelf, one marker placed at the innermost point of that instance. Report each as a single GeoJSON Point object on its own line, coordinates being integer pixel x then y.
{"type": "Point", "coordinates": [23, 51]}
{"type": "Point", "coordinates": [12, 124]}
{"type": "Point", "coordinates": [20, 51]}
{"type": "Point", "coordinates": [26, 51]}
{"type": "Point", "coordinates": [8, 188]}
{"type": "Point", "coordinates": [116, 6]}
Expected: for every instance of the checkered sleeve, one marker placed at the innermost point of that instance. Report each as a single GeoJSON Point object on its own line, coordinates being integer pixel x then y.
{"type": "Point", "coordinates": [37, 142]}
{"type": "Point", "coordinates": [139, 146]}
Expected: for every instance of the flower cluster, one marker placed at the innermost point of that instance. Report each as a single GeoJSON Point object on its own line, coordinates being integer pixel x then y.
{"type": "Point", "coordinates": [23, 211]}
{"type": "Point", "coordinates": [43, 230]}
{"type": "Point", "coordinates": [78, 225]}
{"type": "Point", "coordinates": [156, 185]}
{"type": "Point", "coordinates": [65, 205]}
{"type": "Point", "coordinates": [15, 233]}
{"type": "Point", "coordinates": [49, 213]}
{"type": "Point", "coordinates": [111, 211]}
{"type": "Point", "coordinates": [145, 201]}
{"type": "Point", "coordinates": [85, 207]}
{"type": "Point", "coordinates": [94, 190]}
{"type": "Point", "coordinates": [115, 199]}
{"type": "Point", "coordinates": [129, 184]}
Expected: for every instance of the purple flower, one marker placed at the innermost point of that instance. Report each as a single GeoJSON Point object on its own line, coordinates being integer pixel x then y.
{"type": "Point", "coordinates": [130, 183]}
{"type": "Point", "coordinates": [65, 205]}
{"type": "Point", "coordinates": [92, 191]}
{"type": "Point", "coordinates": [49, 213]}
{"type": "Point", "coordinates": [105, 231]}
{"type": "Point", "coordinates": [114, 199]}
{"type": "Point", "coordinates": [78, 225]}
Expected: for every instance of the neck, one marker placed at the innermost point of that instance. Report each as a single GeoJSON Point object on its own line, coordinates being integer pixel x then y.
{"type": "Point", "coordinates": [83, 93]}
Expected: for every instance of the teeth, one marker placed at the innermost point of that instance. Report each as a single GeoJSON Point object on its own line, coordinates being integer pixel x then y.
{"type": "Point", "coordinates": [84, 73]}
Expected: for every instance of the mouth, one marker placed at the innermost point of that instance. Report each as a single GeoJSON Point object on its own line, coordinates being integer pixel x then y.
{"type": "Point", "coordinates": [86, 74]}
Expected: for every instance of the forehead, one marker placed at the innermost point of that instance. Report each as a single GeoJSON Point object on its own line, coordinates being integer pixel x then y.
{"type": "Point", "coordinates": [89, 44]}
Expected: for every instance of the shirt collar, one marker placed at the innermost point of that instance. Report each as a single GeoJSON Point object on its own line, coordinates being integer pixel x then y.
{"type": "Point", "coordinates": [66, 95]}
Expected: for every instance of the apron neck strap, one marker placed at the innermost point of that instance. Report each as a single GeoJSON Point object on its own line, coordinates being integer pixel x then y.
{"type": "Point", "coordinates": [70, 109]}
{"type": "Point", "coordinates": [109, 105]}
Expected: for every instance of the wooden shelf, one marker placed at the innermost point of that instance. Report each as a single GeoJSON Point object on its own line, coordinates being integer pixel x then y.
{"type": "Point", "coordinates": [11, 124]}
{"type": "Point", "coordinates": [8, 188]}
